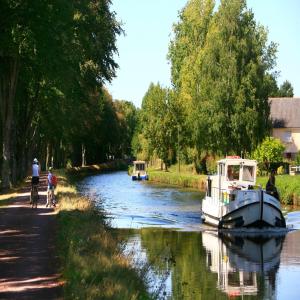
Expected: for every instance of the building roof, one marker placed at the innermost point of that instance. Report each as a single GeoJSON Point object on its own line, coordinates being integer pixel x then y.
{"type": "Point", "coordinates": [285, 112]}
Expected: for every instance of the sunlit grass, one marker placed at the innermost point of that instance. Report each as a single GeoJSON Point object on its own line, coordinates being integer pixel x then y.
{"type": "Point", "coordinates": [184, 178]}
{"type": "Point", "coordinates": [288, 187]}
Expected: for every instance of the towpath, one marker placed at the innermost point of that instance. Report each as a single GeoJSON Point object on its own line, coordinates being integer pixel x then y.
{"type": "Point", "coordinates": [28, 259]}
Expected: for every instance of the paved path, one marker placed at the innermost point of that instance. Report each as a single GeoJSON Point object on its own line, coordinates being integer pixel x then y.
{"type": "Point", "coordinates": [28, 260]}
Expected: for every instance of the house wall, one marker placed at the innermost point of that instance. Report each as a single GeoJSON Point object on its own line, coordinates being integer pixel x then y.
{"type": "Point", "coordinates": [291, 146]}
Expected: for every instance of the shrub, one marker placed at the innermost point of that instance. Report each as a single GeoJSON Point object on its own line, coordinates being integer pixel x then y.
{"type": "Point", "coordinates": [268, 152]}
{"type": "Point", "coordinates": [280, 170]}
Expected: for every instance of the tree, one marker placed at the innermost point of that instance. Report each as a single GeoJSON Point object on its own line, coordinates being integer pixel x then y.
{"type": "Point", "coordinates": [53, 57]}
{"type": "Point", "coordinates": [225, 77]}
{"type": "Point", "coordinates": [286, 90]}
{"type": "Point", "coordinates": [269, 151]}
{"type": "Point", "coordinates": [158, 122]}
{"type": "Point", "coordinates": [127, 116]}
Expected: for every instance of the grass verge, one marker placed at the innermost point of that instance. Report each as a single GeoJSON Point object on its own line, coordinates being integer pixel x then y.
{"type": "Point", "coordinates": [288, 187]}
{"type": "Point", "coordinates": [93, 265]}
{"type": "Point", "coordinates": [182, 179]}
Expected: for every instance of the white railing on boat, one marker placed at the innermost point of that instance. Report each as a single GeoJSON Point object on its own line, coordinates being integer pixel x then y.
{"type": "Point", "coordinates": [294, 170]}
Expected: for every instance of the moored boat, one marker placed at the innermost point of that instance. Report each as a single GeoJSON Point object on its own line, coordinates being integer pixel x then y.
{"type": "Point", "coordinates": [139, 170]}
{"type": "Point", "coordinates": [233, 200]}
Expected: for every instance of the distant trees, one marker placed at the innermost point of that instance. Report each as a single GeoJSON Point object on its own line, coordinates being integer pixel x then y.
{"type": "Point", "coordinates": [222, 75]}
{"type": "Point", "coordinates": [286, 90]}
{"type": "Point", "coordinates": [159, 122]}
{"type": "Point", "coordinates": [54, 59]}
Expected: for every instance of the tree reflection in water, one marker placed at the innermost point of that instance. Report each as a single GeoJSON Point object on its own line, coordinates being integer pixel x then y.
{"type": "Point", "coordinates": [206, 265]}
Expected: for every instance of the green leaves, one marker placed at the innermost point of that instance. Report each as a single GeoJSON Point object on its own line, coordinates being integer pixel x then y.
{"type": "Point", "coordinates": [60, 53]}
{"type": "Point", "coordinates": [269, 151]}
{"type": "Point", "coordinates": [219, 64]}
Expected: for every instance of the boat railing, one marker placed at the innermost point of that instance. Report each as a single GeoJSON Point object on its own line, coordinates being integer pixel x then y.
{"type": "Point", "coordinates": [225, 196]}
{"type": "Point", "coordinates": [294, 170]}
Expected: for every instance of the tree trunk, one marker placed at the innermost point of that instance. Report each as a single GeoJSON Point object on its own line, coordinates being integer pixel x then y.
{"type": "Point", "coordinates": [8, 83]}
{"type": "Point", "coordinates": [47, 157]}
{"type": "Point", "coordinates": [83, 155]}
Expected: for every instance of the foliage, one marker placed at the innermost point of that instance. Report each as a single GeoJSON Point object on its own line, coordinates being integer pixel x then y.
{"type": "Point", "coordinates": [54, 59]}
{"type": "Point", "coordinates": [269, 151]}
{"type": "Point", "coordinates": [297, 159]}
{"type": "Point", "coordinates": [221, 68]}
{"type": "Point", "coordinates": [159, 122]}
{"type": "Point", "coordinates": [280, 170]}
{"type": "Point", "coordinates": [286, 90]}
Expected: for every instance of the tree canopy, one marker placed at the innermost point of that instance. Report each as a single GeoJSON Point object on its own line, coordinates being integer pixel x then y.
{"type": "Point", "coordinates": [222, 71]}
{"type": "Point", "coordinates": [55, 58]}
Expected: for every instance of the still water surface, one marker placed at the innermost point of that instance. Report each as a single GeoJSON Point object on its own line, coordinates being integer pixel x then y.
{"type": "Point", "coordinates": [187, 259]}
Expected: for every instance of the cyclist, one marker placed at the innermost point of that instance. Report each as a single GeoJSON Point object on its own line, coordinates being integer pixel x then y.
{"type": "Point", "coordinates": [50, 189]}
{"type": "Point", "coordinates": [35, 172]}
{"type": "Point", "coordinates": [35, 179]}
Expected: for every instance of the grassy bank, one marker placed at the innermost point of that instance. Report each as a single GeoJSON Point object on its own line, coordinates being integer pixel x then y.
{"type": "Point", "coordinates": [93, 266]}
{"type": "Point", "coordinates": [173, 177]}
{"type": "Point", "coordinates": [288, 187]}
{"type": "Point", "coordinates": [100, 168]}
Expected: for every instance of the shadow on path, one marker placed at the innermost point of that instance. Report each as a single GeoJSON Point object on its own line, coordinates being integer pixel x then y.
{"type": "Point", "coordinates": [28, 260]}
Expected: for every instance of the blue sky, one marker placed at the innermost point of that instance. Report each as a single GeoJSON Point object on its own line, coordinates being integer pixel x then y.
{"type": "Point", "coordinates": [148, 26]}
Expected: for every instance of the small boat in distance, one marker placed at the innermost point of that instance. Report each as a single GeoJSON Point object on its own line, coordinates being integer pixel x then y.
{"type": "Point", "coordinates": [232, 200]}
{"type": "Point", "coordinates": [139, 170]}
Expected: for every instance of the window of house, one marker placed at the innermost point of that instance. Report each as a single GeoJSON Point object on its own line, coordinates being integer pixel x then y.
{"type": "Point", "coordinates": [287, 136]}
{"type": "Point", "coordinates": [288, 155]}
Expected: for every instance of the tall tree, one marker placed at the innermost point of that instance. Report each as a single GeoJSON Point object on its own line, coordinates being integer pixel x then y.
{"type": "Point", "coordinates": [41, 45]}
{"type": "Point", "coordinates": [158, 122]}
{"type": "Point", "coordinates": [226, 79]}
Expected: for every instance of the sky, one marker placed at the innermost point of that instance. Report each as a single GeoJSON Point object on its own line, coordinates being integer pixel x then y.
{"type": "Point", "coordinates": [143, 49]}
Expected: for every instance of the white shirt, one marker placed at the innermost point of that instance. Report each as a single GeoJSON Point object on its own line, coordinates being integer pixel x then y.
{"type": "Point", "coordinates": [35, 170]}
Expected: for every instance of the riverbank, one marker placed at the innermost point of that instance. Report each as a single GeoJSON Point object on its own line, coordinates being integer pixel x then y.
{"type": "Point", "coordinates": [93, 265]}
{"type": "Point", "coordinates": [288, 186]}
{"type": "Point", "coordinates": [182, 179]}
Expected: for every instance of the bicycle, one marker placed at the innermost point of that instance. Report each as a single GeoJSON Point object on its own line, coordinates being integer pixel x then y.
{"type": "Point", "coordinates": [51, 198]}
{"type": "Point", "coordinates": [34, 196]}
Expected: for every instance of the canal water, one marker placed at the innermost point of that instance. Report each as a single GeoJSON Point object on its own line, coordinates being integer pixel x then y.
{"type": "Point", "coordinates": [185, 259]}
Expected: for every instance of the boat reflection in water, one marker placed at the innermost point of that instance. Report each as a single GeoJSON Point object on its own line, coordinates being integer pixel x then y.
{"type": "Point", "coordinates": [244, 264]}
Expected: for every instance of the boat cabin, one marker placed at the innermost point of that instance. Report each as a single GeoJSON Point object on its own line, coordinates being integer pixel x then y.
{"type": "Point", "coordinates": [139, 170]}
{"type": "Point", "coordinates": [234, 173]}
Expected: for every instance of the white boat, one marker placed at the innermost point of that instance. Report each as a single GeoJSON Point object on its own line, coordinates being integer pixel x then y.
{"type": "Point", "coordinates": [139, 170]}
{"type": "Point", "coordinates": [233, 200]}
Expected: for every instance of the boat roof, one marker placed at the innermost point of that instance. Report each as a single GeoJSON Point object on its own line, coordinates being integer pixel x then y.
{"type": "Point", "coordinates": [236, 160]}
{"type": "Point", "coordinates": [139, 162]}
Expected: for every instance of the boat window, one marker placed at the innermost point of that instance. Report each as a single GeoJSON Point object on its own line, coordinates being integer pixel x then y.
{"type": "Point", "coordinates": [248, 279]}
{"type": "Point", "coordinates": [234, 279]}
{"type": "Point", "coordinates": [233, 172]}
{"type": "Point", "coordinates": [140, 167]}
{"type": "Point", "coordinates": [248, 173]}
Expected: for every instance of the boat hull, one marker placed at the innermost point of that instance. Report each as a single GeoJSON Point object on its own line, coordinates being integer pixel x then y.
{"type": "Point", "coordinates": [262, 212]}
{"type": "Point", "coordinates": [141, 177]}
